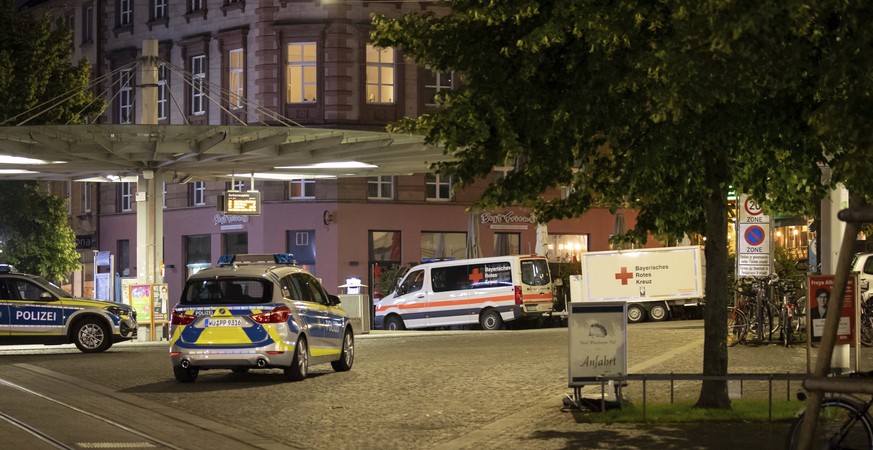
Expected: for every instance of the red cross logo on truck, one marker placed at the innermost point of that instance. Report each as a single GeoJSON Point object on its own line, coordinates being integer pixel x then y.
{"type": "Point", "coordinates": [624, 275]}
{"type": "Point", "coordinates": [475, 276]}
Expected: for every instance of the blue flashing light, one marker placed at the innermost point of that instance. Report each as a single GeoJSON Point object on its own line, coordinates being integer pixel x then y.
{"type": "Point", "coordinates": [284, 258]}
{"type": "Point", "coordinates": [7, 268]}
{"type": "Point", "coordinates": [226, 260]}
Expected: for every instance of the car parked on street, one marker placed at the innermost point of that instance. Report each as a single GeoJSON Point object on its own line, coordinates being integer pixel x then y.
{"type": "Point", "coordinates": [258, 312]}
{"type": "Point", "coordinates": [34, 311]}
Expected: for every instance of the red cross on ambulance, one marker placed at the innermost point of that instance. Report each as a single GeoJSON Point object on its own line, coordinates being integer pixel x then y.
{"type": "Point", "coordinates": [624, 276]}
{"type": "Point", "coordinates": [475, 276]}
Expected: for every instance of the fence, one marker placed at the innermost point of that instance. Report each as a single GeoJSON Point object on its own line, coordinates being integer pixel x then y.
{"type": "Point", "coordinates": [674, 377]}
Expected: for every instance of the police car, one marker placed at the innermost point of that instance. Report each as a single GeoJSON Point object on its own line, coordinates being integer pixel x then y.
{"type": "Point", "coordinates": [258, 312]}
{"type": "Point", "coordinates": [34, 311]}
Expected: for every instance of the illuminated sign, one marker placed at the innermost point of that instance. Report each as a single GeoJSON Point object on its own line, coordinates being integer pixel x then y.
{"type": "Point", "coordinates": [241, 203]}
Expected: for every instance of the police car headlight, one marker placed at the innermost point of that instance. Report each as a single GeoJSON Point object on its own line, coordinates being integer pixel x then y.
{"type": "Point", "coordinates": [117, 310]}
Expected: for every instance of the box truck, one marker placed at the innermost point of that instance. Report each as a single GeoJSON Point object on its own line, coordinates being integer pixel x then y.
{"type": "Point", "coordinates": [653, 281]}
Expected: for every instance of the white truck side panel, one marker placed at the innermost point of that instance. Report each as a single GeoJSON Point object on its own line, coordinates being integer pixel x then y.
{"type": "Point", "coordinates": [668, 273]}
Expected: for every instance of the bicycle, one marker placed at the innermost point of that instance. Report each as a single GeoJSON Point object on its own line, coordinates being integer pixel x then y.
{"type": "Point", "coordinates": [791, 314]}
{"type": "Point", "coordinates": [844, 422]}
{"type": "Point", "coordinates": [738, 326]}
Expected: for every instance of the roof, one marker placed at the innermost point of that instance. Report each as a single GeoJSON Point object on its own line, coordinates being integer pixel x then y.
{"type": "Point", "coordinates": [208, 152]}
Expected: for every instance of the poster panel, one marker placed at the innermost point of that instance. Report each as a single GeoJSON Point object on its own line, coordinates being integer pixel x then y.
{"type": "Point", "coordinates": [598, 341]}
{"type": "Point", "coordinates": [819, 292]}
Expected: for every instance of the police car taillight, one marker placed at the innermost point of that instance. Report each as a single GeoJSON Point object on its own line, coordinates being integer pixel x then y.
{"type": "Point", "coordinates": [518, 299]}
{"type": "Point", "coordinates": [180, 318]}
{"type": "Point", "coordinates": [277, 315]}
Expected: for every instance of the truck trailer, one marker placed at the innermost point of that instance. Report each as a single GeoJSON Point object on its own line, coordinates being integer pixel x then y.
{"type": "Point", "coordinates": [654, 282]}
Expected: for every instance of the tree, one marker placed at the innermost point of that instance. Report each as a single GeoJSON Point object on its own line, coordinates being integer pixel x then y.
{"type": "Point", "coordinates": [659, 106]}
{"type": "Point", "coordinates": [36, 238]}
{"type": "Point", "coordinates": [36, 74]}
{"type": "Point", "coordinates": [35, 69]}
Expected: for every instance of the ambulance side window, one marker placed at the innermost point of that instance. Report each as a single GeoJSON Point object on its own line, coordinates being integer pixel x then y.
{"type": "Point", "coordinates": [413, 282]}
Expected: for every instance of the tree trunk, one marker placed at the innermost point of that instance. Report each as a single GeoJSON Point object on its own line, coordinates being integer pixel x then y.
{"type": "Point", "coordinates": [714, 393]}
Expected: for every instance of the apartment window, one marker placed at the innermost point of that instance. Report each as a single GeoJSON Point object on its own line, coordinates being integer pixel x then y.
{"type": "Point", "coordinates": [125, 196]}
{"type": "Point", "coordinates": [88, 24]}
{"type": "Point", "coordinates": [195, 5]}
{"type": "Point", "coordinates": [122, 262]}
{"type": "Point", "coordinates": [302, 189]}
{"type": "Point", "coordinates": [198, 253]}
{"type": "Point", "coordinates": [384, 246]}
{"type": "Point", "coordinates": [198, 193]}
{"type": "Point", "coordinates": [198, 85]}
{"type": "Point", "coordinates": [436, 82]}
{"type": "Point", "coordinates": [163, 93]}
{"type": "Point", "coordinates": [237, 185]}
{"type": "Point", "coordinates": [301, 73]}
{"type": "Point", "coordinates": [125, 12]}
{"type": "Point", "coordinates": [301, 244]}
{"type": "Point", "coordinates": [236, 78]}
{"type": "Point", "coordinates": [380, 74]}
{"type": "Point", "coordinates": [443, 245]}
{"type": "Point", "coordinates": [160, 9]}
{"type": "Point", "coordinates": [86, 197]}
{"type": "Point", "coordinates": [164, 196]}
{"type": "Point", "coordinates": [236, 243]}
{"type": "Point", "coordinates": [507, 244]}
{"type": "Point", "coordinates": [125, 96]}
{"type": "Point", "coordinates": [380, 188]}
{"type": "Point", "coordinates": [438, 187]}
{"type": "Point", "coordinates": [565, 247]}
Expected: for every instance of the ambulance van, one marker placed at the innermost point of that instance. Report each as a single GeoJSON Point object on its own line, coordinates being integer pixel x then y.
{"type": "Point", "coordinates": [487, 291]}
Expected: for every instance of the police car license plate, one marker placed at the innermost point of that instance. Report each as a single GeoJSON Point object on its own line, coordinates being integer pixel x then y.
{"type": "Point", "coordinates": [224, 322]}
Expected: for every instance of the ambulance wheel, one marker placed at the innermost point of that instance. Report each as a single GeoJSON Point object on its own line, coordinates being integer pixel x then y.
{"type": "Point", "coordinates": [185, 375]}
{"type": "Point", "coordinates": [635, 313]}
{"type": "Point", "coordinates": [91, 335]}
{"type": "Point", "coordinates": [300, 363]}
{"type": "Point", "coordinates": [491, 320]}
{"type": "Point", "coordinates": [394, 323]}
{"type": "Point", "coordinates": [659, 312]}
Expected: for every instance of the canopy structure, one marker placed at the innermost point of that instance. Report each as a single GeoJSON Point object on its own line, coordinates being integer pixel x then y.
{"type": "Point", "coordinates": [204, 152]}
{"type": "Point", "coordinates": [150, 153]}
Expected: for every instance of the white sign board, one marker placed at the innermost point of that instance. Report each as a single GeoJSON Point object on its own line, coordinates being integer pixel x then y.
{"type": "Point", "coordinates": [753, 239]}
{"type": "Point", "coordinates": [598, 341]}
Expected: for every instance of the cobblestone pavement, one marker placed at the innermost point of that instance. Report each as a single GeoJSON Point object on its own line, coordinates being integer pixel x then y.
{"type": "Point", "coordinates": [431, 389]}
{"type": "Point", "coordinates": [544, 426]}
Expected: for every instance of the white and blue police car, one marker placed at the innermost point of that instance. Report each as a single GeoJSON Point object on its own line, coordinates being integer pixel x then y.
{"type": "Point", "coordinates": [34, 311]}
{"type": "Point", "coordinates": [258, 312]}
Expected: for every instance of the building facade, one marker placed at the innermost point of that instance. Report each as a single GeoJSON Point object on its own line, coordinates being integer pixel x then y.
{"type": "Point", "coordinates": [227, 62]}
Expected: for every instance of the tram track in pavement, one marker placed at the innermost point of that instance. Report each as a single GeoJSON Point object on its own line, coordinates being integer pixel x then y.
{"type": "Point", "coordinates": [40, 408]}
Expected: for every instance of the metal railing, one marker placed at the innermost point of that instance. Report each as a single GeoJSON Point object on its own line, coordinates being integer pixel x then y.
{"type": "Point", "coordinates": [619, 381]}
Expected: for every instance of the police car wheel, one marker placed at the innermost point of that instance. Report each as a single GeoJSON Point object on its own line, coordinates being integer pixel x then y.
{"type": "Point", "coordinates": [347, 356]}
{"type": "Point", "coordinates": [300, 363]}
{"type": "Point", "coordinates": [491, 320]}
{"type": "Point", "coordinates": [394, 323]}
{"type": "Point", "coordinates": [185, 375]}
{"type": "Point", "coordinates": [91, 336]}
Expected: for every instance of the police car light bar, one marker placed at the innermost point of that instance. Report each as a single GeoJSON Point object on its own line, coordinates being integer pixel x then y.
{"type": "Point", "coordinates": [7, 268]}
{"type": "Point", "coordinates": [257, 258]}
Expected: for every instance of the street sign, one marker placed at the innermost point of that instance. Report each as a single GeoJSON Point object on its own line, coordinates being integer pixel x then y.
{"type": "Point", "coordinates": [753, 239]}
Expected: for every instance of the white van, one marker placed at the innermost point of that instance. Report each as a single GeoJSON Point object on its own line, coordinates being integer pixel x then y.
{"type": "Point", "coordinates": [487, 291]}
